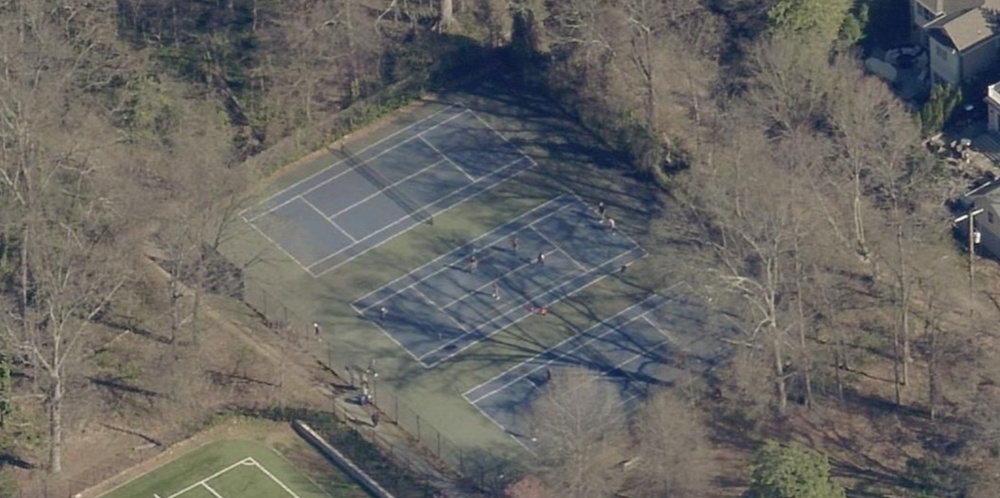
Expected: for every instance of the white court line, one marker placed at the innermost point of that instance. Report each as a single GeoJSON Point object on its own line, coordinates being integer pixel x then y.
{"type": "Point", "coordinates": [483, 121]}
{"type": "Point", "coordinates": [461, 249]}
{"type": "Point", "coordinates": [328, 220]}
{"type": "Point", "coordinates": [280, 247]}
{"type": "Point", "coordinates": [209, 478]}
{"type": "Point", "coordinates": [517, 320]}
{"type": "Point", "coordinates": [560, 344]}
{"type": "Point", "coordinates": [491, 282]}
{"type": "Point", "coordinates": [387, 334]}
{"type": "Point", "coordinates": [342, 173]}
{"type": "Point", "coordinates": [559, 248]}
{"type": "Point", "coordinates": [498, 424]}
{"type": "Point", "coordinates": [362, 151]}
{"type": "Point", "coordinates": [408, 217]}
{"type": "Point", "coordinates": [210, 490]}
{"type": "Point", "coordinates": [380, 192]}
{"type": "Point", "coordinates": [275, 479]}
{"type": "Point", "coordinates": [666, 334]}
{"type": "Point", "coordinates": [446, 158]}
{"type": "Point", "coordinates": [431, 302]}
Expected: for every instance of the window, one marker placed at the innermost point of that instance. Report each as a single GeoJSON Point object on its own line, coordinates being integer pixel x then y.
{"type": "Point", "coordinates": [989, 217]}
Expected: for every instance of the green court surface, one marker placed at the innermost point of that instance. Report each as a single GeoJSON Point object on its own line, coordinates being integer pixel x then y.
{"type": "Point", "coordinates": [429, 402]}
{"type": "Point", "coordinates": [226, 469]}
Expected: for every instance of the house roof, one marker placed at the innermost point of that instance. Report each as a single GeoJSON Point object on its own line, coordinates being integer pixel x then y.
{"type": "Point", "coordinates": [970, 27]}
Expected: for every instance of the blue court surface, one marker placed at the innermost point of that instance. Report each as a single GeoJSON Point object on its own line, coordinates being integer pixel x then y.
{"type": "Point", "coordinates": [649, 343]}
{"type": "Point", "coordinates": [449, 304]}
{"type": "Point", "coordinates": [382, 191]}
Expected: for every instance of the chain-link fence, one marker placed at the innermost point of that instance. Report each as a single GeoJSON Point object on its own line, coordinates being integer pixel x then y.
{"type": "Point", "coordinates": [397, 411]}
{"type": "Point", "coordinates": [275, 315]}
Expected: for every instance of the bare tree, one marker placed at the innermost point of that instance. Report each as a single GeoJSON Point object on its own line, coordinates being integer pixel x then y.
{"type": "Point", "coordinates": [672, 447]}
{"type": "Point", "coordinates": [580, 426]}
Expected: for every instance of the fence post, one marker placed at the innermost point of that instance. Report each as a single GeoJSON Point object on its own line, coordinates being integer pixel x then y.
{"type": "Point", "coordinates": [417, 416]}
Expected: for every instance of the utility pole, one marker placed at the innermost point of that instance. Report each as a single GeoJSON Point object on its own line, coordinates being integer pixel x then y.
{"type": "Point", "coordinates": [973, 239]}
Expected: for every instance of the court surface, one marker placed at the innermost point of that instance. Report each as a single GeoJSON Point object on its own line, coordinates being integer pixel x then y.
{"type": "Point", "coordinates": [649, 343]}
{"type": "Point", "coordinates": [449, 304]}
{"type": "Point", "coordinates": [224, 469]}
{"type": "Point", "coordinates": [385, 189]}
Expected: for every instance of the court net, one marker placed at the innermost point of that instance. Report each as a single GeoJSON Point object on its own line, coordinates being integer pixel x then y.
{"type": "Point", "coordinates": [412, 207]}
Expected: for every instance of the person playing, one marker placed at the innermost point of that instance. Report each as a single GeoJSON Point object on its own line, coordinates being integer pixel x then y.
{"type": "Point", "coordinates": [611, 224]}
{"type": "Point", "coordinates": [496, 291]}
{"type": "Point", "coordinates": [473, 263]}
{"type": "Point", "coordinates": [544, 310]}
{"type": "Point", "coordinates": [515, 243]}
{"type": "Point", "coordinates": [541, 258]}
{"type": "Point", "coordinates": [382, 313]}
{"type": "Point", "coordinates": [317, 330]}
{"type": "Point", "coordinates": [601, 210]}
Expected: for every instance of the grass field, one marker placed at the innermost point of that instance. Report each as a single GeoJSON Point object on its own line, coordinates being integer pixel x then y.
{"type": "Point", "coordinates": [229, 469]}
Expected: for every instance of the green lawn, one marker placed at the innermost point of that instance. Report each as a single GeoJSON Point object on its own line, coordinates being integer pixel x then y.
{"type": "Point", "coordinates": [230, 469]}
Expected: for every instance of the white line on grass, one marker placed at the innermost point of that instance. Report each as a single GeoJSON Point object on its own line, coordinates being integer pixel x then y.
{"type": "Point", "coordinates": [427, 207]}
{"type": "Point", "coordinates": [365, 149]}
{"type": "Point", "coordinates": [342, 173]}
{"type": "Point", "coordinates": [275, 479]}
{"type": "Point", "coordinates": [666, 334]}
{"type": "Point", "coordinates": [210, 490]}
{"type": "Point", "coordinates": [209, 478]}
{"type": "Point", "coordinates": [328, 220]}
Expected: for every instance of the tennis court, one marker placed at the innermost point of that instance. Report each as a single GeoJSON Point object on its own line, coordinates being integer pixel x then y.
{"type": "Point", "coordinates": [391, 186]}
{"type": "Point", "coordinates": [637, 348]}
{"type": "Point", "coordinates": [465, 296]}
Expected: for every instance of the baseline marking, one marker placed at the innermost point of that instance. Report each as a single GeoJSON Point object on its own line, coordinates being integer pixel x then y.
{"type": "Point", "coordinates": [517, 320]}
{"type": "Point", "coordinates": [560, 344]}
{"type": "Point", "coordinates": [670, 337]}
{"type": "Point", "coordinates": [275, 479]}
{"type": "Point", "coordinates": [559, 248]}
{"type": "Point", "coordinates": [209, 478]}
{"type": "Point", "coordinates": [409, 218]}
{"type": "Point", "coordinates": [269, 239]}
{"type": "Point", "coordinates": [505, 226]}
{"type": "Point", "coordinates": [342, 173]}
{"type": "Point", "coordinates": [445, 313]}
{"type": "Point", "coordinates": [328, 220]}
{"type": "Point", "coordinates": [453, 163]}
{"type": "Point", "coordinates": [491, 282]}
{"type": "Point", "coordinates": [363, 150]}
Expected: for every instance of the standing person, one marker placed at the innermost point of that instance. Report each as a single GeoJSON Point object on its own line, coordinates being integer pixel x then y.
{"type": "Point", "coordinates": [473, 263]}
{"type": "Point", "coordinates": [623, 268]}
{"type": "Point", "coordinates": [515, 243]}
{"type": "Point", "coordinates": [611, 224]}
{"type": "Point", "coordinates": [317, 330]}
{"type": "Point", "coordinates": [375, 418]}
{"type": "Point", "coordinates": [601, 210]}
{"type": "Point", "coordinates": [496, 291]}
{"type": "Point", "coordinates": [541, 258]}
{"type": "Point", "coordinates": [382, 313]}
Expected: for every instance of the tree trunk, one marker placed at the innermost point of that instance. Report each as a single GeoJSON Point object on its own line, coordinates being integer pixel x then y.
{"type": "Point", "coordinates": [779, 371]}
{"type": "Point", "coordinates": [932, 366]}
{"type": "Point", "coordinates": [55, 424]}
{"type": "Point", "coordinates": [447, 16]}
{"type": "Point", "coordinates": [803, 346]}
